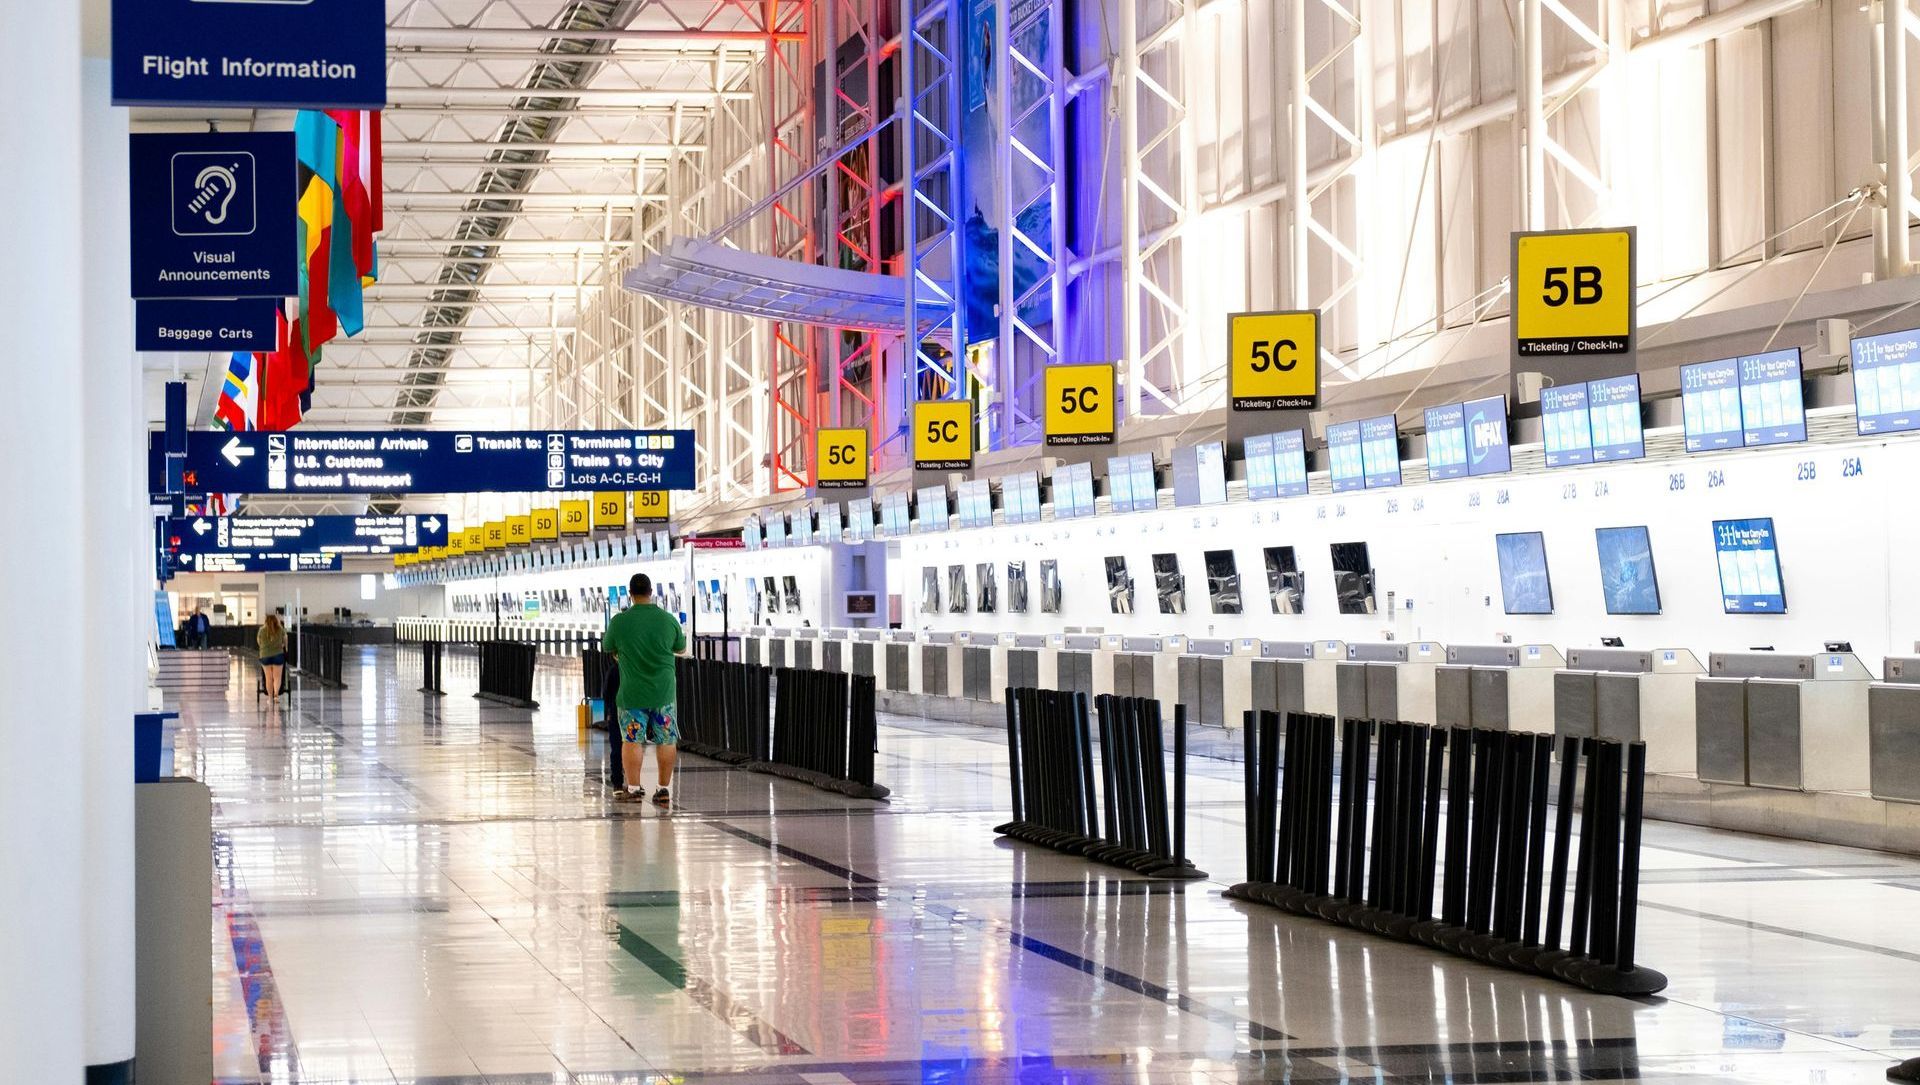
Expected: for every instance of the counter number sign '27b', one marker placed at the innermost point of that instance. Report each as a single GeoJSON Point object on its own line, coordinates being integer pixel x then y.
{"type": "Point", "coordinates": [1573, 292]}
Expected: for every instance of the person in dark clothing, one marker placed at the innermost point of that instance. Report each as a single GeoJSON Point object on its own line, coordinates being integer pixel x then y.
{"type": "Point", "coordinates": [199, 630]}
{"type": "Point", "coordinates": [609, 694]}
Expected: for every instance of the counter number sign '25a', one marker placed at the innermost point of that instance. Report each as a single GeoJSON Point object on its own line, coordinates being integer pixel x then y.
{"type": "Point", "coordinates": [1273, 360]}
{"type": "Point", "coordinates": [1573, 292]}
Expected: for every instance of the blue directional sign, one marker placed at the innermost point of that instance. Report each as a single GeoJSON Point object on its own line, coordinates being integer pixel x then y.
{"type": "Point", "coordinates": [259, 563]}
{"type": "Point", "coordinates": [213, 215]}
{"type": "Point", "coordinates": [305, 534]}
{"type": "Point", "coordinates": [218, 325]}
{"type": "Point", "coordinates": [312, 54]}
{"type": "Point", "coordinates": [436, 461]}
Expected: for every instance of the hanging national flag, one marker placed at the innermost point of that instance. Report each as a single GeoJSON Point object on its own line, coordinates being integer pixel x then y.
{"type": "Point", "coordinates": [239, 403]}
{"type": "Point", "coordinates": [316, 140]}
{"type": "Point", "coordinates": [286, 379]}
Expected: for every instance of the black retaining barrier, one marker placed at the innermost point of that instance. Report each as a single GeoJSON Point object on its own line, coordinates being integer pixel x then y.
{"type": "Point", "coordinates": [320, 658]}
{"type": "Point", "coordinates": [506, 672]}
{"type": "Point", "coordinates": [1318, 850]}
{"type": "Point", "coordinates": [1055, 801]}
{"type": "Point", "coordinates": [594, 665]}
{"type": "Point", "coordinates": [816, 727]}
{"type": "Point", "coordinates": [432, 657]}
{"type": "Point", "coordinates": [1906, 1071]}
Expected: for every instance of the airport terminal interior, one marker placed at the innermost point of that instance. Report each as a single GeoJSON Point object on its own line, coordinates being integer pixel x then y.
{"type": "Point", "coordinates": [793, 542]}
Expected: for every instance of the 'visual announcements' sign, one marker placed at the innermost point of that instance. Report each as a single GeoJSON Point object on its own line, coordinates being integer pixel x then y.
{"type": "Point", "coordinates": [213, 215]}
{"type": "Point", "coordinates": [942, 435]}
{"type": "Point", "coordinates": [1273, 360]}
{"type": "Point", "coordinates": [1573, 293]}
{"type": "Point", "coordinates": [1079, 401]}
{"type": "Point", "coordinates": [288, 53]}
{"type": "Point", "coordinates": [840, 459]}
{"type": "Point", "coordinates": [217, 325]}
{"type": "Point", "coordinates": [437, 461]}
{"type": "Point", "coordinates": [305, 534]}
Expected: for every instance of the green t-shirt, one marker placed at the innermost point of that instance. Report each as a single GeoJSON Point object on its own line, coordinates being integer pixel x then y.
{"type": "Point", "coordinates": [645, 639]}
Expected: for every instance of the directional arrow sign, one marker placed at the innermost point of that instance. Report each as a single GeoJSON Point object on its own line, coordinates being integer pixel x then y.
{"type": "Point", "coordinates": [260, 563]}
{"type": "Point", "coordinates": [435, 461]}
{"type": "Point", "coordinates": [306, 534]}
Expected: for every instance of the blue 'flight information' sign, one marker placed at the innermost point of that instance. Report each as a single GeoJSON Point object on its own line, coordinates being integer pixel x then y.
{"type": "Point", "coordinates": [217, 325]}
{"type": "Point", "coordinates": [313, 54]}
{"type": "Point", "coordinates": [433, 461]}
{"type": "Point", "coordinates": [305, 534]}
{"type": "Point", "coordinates": [213, 215]}
{"type": "Point", "coordinates": [1886, 382]}
{"type": "Point", "coordinates": [1749, 557]}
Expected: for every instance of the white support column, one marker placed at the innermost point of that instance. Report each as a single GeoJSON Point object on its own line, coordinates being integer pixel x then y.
{"type": "Point", "coordinates": [1896, 23]}
{"type": "Point", "coordinates": [43, 797]}
{"type": "Point", "coordinates": [116, 607]}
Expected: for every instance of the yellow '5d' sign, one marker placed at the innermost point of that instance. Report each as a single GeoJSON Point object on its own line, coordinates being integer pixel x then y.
{"type": "Point", "coordinates": [1079, 402]}
{"type": "Point", "coordinates": [652, 506]}
{"type": "Point", "coordinates": [840, 459]}
{"type": "Point", "coordinates": [1573, 292]}
{"type": "Point", "coordinates": [575, 517]}
{"type": "Point", "coordinates": [942, 434]}
{"type": "Point", "coordinates": [609, 510]}
{"type": "Point", "coordinates": [545, 524]}
{"type": "Point", "coordinates": [1273, 360]}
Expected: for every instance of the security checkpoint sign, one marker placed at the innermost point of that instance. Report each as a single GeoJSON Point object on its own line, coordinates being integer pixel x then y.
{"type": "Point", "coordinates": [840, 459]}
{"type": "Point", "coordinates": [544, 524]}
{"type": "Point", "coordinates": [218, 325]}
{"type": "Point", "coordinates": [609, 511]}
{"type": "Point", "coordinates": [1573, 293]}
{"type": "Point", "coordinates": [1080, 404]}
{"type": "Point", "coordinates": [438, 461]}
{"type": "Point", "coordinates": [305, 534]}
{"type": "Point", "coordinates": [213, 215]}
{"type": "Point", "coordinates": [1273, 360]}
{"type": "Point", "coordinates": [576, 517]}
{"type": "Point", "coordinates": [291, 54]}
{"type": "Point", "coordinates": [652, 506]}
{"type": "Point", "coordinates": [942, 434]}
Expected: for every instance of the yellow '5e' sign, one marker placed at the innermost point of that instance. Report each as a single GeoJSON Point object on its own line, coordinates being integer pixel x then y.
{"type": "Point", "coordinates": [1573, 292]}
{"type": "Point", "coordinates": [1273, 360]}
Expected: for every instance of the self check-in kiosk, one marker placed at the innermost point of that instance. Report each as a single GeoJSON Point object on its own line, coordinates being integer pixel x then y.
{"type": "Point", "coordinates": [1393, 680]}
{"type": "Point", "coordinates": [1628, 695]}
{"type": "Point", "coordinates": [1795, 722]}
{"type": "Point", "coordinates": [1296, 676]}
{"type": "Point", "coordinates": [1893, 731]}
{"type": "Point", "coordinates": [1497, 687]}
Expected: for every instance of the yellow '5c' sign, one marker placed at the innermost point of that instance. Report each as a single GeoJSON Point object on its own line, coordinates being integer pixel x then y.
{"type": "Point", "coordinates": [840, 459]}
{"type": "Point", "coordinates": [1273, 360]}
{"type": "Point", "coordinates": [942, 434]}
{"type": "Point", "coordinates": [1079, 404]}
{"type": "Point", "coordinates": [1573, 292]}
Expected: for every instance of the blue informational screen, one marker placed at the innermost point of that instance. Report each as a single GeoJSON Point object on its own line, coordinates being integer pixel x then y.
{"type": "Point", "coordinates": [1119, 484]}
{"type": "Point", "coordinates": [1614, 404]}
{"type": "Point", "coordinates": [1749, 554]}
{"type": "Point", "coordinates": [1380, 451]}
{"type": "Point", "coordinates": [163, 619]}
{"type": "Point", "coordinates": [1566, 428]}
{"type": "Point", "coordinates": [932, 502]}
{"type": "Point", "coordinates": [1344, 457]}
{"type": "Point", "coordinates": [1886, 382]}
{"type": "Point", "coordinates": [1524, 585]}
{"type": "Point", "coordinates": [1488, 450]}
{"type": "Point", "coordinates": [1447, 441]}
{"type": "Point", "coordinates": [1277, 465]}
{"type": "Point", "coordinates": [1131, 485]}
{"type": "Point", "coordinates": [1770, 399]}
{"type": "Point", "coordinates": [1627, 580]}
{"type": "Point", "coordinates": [1710, 405]}
{"type": "Point", "coordinates": [1073, 491]}
{"type": "Point", "coordinates": [1263, 478]}
{"type": "Point", "coordinates": [860, 519]}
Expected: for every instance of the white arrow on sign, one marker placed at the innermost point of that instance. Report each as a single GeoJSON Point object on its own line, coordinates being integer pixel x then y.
{"type": "Point", "coordinates": [200, 527]}
{"type": "Point", "coordinates": [432, 524]}
{"type": "Point", "coordinates": [233, 450]}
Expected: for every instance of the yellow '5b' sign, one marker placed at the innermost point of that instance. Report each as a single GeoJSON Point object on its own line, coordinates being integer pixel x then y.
{"type": "Point", "coordinates": [1573, 292]}
{"type": "Point", "coordinates": [1079, 404]}
{"type": "Point", "coordinates": [1273, 360]}
{"type": "Point", "coordinates": [942, 434]}
{"type": "Point", "coordinates": [840, 459]}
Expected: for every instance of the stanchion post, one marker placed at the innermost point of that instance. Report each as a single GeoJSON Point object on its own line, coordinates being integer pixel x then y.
{"type": "Point", "coordinates": [1630, 855]}
{"type": "Point", "coordinates": [1180, 783]}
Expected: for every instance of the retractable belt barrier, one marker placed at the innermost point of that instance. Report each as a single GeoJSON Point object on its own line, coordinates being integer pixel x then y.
{"type": "Point", "coordinates": [815, 727]}
{"type": "Point", "coordinates": [319, 657]}
{"type": "Point", "coordinates": [1319, 850]}
{"type": "Point", "coordinates": [1055, 802]}
{"type": "Point", "coordinates": [432, 656]}
{"type": "Point", "coordinates": [594, 665]}
{"type": "Point", "coordinates": [506, 672]}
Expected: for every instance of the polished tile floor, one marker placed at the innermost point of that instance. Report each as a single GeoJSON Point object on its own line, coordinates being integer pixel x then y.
{"type": "Point", "coordinates": [415, 889]}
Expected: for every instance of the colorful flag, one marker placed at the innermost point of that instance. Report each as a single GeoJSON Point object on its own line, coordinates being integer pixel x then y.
{"type": "Point", "coordinates": [239, 403]}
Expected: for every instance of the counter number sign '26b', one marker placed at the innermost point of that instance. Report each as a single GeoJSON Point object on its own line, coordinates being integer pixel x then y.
{"type": "Point", "coordinates": [1273, 360]}
{"type": "Point", "coordinates": [1573, 292]}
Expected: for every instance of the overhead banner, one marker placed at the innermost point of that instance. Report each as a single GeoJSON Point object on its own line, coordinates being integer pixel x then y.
{"type": "Point", "coordinates": [434, 461]}
{"type": "Point", "coordinates": [291, 54]}
{"type": "Point", "coordinates": [213, 215]}
{"type": "Point", "coordinates": [609, 511]}
{"type": "Point", "coordinates": [1573, 294]}
{"type": "Point", "coordinates": [1080, 404]}
{"type": "Point", "coordinates": [218, 324]}
{"type": "Point", "coordinates": [544, 524]}
{"type": "Point", "coordinates": [259, 563]}
{"type": "Point", "coordinates": [576, 517]}
{"type": "Point", "coordinates": [840, 459]}
{"type": "Point", "coordinates": [1273, 360]}
{"type": "Point", "coordinates": [652, 506]}
{"type": "Point", "coordinates": [942, 435]}
{"type": "Point", "coordinates": [305, 534]}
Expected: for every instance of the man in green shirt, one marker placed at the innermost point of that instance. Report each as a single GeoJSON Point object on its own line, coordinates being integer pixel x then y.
{"type": "Point", "coordinates": [644, 640]}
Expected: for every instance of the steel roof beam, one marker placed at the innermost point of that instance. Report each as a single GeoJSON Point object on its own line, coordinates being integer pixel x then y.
{"type": "Point", "coordinates": [537, 36]}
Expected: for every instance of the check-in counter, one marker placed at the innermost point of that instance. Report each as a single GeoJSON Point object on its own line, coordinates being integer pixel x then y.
{"type": "Point", "coordinates": [803, 649]}
{"type": "Point", "coordinates": [1627, 695]}
{"type": "Point", "coordinates": [1497, 687]}
{"type": "Point", "coordinates": [983, 666]}
{"type": "Point", "coordinates": [898, 665]}
{"type": "Point", "coordinates": [1032, 661]}
{"type": "Point", "coordinates": [1794, 722]}
{"type": "Point", "coordinates": [1295, 676]}
{"type": "Point", "coordinates": [1074, 659]}
{"type": "Point", "coordinates": [861, 651]}
{"type": "Point", "coordinates": [1393, 680]}
{"type": "Point", "coordinates": [1893, 730]}
{"type": "Point", "coordinates": [753, 647]}
{"type": "Point", "coordinates": [1143, 667]}
{"type": "Point", "coordinates": [938, 674]}
{"type": "Point", "coordinates": [833, 650]}
{"type": "Point", "coordinates": [1216, 681]}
